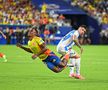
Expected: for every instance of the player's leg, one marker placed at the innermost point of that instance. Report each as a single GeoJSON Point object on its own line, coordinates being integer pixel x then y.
{"type": "Point", "coordinates": [54, 63]}
{"type": "Point", "coordinates": [3, 56]}
{"type": "Point", "coordinates": [72, 62]}
{"type": "Point", "coordinates": [53, 67]}
{"type": "Point", "coordinates": [77, 66]}
{"type": "Point", "coordinates": [64, 58]}
{"type": "Point", "coordinates": [61, 50]}
{"type": "Point", "coordinates": [63, 61]}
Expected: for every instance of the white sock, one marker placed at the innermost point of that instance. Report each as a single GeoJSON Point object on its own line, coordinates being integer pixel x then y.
{"type": "Point", "coordinates": [77, 65]}
{"type": "Point", "coordinates": [72, 62]}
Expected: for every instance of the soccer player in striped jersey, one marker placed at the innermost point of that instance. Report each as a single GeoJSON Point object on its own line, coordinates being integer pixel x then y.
{"type": "Point", "coordinates": [65, 46]}
{"type": "Point", "coordinates": [37, 47]}
{"type": "Point", "coordinates": [1, 54]}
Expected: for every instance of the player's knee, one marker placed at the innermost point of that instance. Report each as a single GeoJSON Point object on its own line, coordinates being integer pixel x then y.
{"type": "Point", "coordinates": [62, 64]}
{"type": "Point", "coordinates": [57, 70]}
{"type": "Point", "coordinates": [76, 56]}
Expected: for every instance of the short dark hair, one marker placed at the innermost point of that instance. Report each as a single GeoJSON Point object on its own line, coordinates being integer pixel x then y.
{"type": "Point", "coordinates": [84, 26]}
{"type": "Point", "coordinates": [36, 29]}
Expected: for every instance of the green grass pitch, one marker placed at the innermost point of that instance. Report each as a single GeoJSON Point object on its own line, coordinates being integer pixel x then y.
{"type": "Point", "coordinates": [23, 73]}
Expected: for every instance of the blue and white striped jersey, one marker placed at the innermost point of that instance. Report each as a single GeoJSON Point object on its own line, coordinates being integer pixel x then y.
{"type": "Point", "coordinates": [67, 42]}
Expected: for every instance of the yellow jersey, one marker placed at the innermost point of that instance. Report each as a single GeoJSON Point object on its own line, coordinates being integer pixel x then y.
{"type": "Point", "coordinates": [44, 7]}
{"type": "Point", "coordinates": [34, 45]}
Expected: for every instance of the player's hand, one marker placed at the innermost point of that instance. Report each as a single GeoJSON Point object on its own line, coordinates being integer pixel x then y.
{"type": "Point", "coordinates": [81, 50]}
{"type": "Point", "coordinates": [4, 36]}
{"type": "Point", "coordinates": [34, 56]}
{"type": "Point", "coordinates": [18, 45]}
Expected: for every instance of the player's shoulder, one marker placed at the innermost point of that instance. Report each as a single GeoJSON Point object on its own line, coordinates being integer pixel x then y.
{"type": "Point", "coordinates": [37, 38]}
{"type": "Point", "coordinates": [72, 32]}
{"type": "Point", "coordinates": [76, 32]}
{"type": "Point", "coordinates": [29, 42]}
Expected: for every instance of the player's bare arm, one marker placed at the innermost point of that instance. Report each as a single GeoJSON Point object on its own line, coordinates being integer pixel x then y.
{"type": "Point", "coordinates": [3, 34]}
{"type": "Point", "coordinates": [77, 43]}
{"type": "Point", "coordinates": [24, 48]}
{"type": "Point", "coordinates": [43, 49]}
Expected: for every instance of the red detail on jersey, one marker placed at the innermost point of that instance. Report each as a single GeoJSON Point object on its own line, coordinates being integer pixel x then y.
{"type": "Point", "coordinates": [47, 52]}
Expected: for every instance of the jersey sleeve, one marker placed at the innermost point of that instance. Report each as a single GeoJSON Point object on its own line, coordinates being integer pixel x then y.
{"type": "Point", "coordinates": [28, 43]}
{"type": "Point", "coordinates": [75, 35]}
{"type": "Point", "coordinates": [40, 41]}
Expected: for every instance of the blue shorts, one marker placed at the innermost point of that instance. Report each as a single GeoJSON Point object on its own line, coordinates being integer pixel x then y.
{"type": "Point", "coordinates": [52, 61]}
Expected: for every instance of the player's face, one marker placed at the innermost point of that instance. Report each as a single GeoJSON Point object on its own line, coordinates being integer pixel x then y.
{"type": "Point", "coordinates": [31, 34]}
{"type": "Point", "coordinates": [82, 30]}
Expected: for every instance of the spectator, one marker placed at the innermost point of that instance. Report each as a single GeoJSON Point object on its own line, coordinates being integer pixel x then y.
{"type": "Point", "coordinates": [19, 35]}
{"type": "Point", "coordinates": [8, 34]}
{"type": "Point", "coordinates": [44, 8]}
{"type": "Point", "coordinates": [47, 36]}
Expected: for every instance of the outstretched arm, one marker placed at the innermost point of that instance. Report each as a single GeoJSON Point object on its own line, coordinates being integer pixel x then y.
{"type": "Point", "coordinates": [24, 48]}
{"type": "Point", "coordinates": [3, 34]}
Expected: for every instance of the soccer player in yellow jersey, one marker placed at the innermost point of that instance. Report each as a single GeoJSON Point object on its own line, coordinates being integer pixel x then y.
{"type": "Point", "coordinates": [37, 46]}
{"type": "Point", "coordinates": [1, 54]}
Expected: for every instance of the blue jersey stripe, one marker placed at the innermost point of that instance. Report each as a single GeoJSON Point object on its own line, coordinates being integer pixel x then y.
{"type": "Point", "coordinates": [69, 45]}
{"type": "Point", "coordinates": [68, 35]}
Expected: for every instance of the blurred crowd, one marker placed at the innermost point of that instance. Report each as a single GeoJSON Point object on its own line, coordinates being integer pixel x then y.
{"type": "Point", "coordinates": [16, 12]}
{"type": "Point", "coordinates": [23, 12]}
{"type": "Point", "coordinates": [98, 9]}
{"type": "Point", "coordinates": [104, 37]}
{"type": "Point", "coordinates": [16, 35]}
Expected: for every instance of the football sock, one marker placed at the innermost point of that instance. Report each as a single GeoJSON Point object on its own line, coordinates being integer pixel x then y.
{"type": "Point", "coordinates": [78, 66]}
{"type": "Point", "coordinates": [72, 61]}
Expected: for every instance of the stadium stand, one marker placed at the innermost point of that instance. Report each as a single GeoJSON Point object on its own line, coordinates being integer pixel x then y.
{"type": "Point", "coordinates": [54, 15]}
{"type": "Point", "coordinates": [97, 9]}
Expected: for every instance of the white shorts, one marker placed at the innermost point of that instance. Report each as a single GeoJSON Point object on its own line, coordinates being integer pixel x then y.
{"type": "Point", "coordinates": [72, 52]}
{"type": "Point", "coordinates": [61, 50]}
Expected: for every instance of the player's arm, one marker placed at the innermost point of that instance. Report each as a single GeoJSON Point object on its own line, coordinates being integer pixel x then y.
{"type": "Point", "coordinates": [43, 49]}
{"type": "Point", "coordinates": [24, 48]}
{"type": "Point", "coordinates": [3, 34]}
{"type": "Point", "coordinates": [75, 39]}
